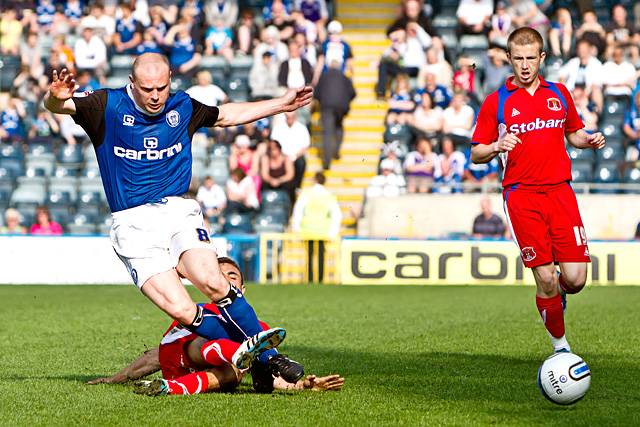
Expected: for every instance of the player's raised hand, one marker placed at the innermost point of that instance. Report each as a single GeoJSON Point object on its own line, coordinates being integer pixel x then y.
{"type": "Point", "coordinates": [296, 98]}
{"type": "Point", "coordinates": [63, 85]}
{"type": "Point", "coordinates": [328, 383]}
{"type": "Point", "coordinates": [596, 140]}
{"type": "Point", "coordinates": [507, 143]}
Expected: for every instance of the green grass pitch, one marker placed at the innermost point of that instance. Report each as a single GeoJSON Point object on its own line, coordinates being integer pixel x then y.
{"type": "Point", "coordinates": [411, 356]}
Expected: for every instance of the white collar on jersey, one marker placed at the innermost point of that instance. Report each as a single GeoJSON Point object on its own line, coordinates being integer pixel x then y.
{"type": "Point", "coordinates": [143, 111]}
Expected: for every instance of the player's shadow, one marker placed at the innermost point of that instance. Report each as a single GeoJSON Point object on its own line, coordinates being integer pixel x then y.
{"type": "Point", "coordinates": [71, 377]}
{"type": "Point", "coordinates": [436, 376]}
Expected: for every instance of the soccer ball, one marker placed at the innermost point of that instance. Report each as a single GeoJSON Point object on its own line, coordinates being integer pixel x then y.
{"type": "Point", "coordinates": [564, 378]}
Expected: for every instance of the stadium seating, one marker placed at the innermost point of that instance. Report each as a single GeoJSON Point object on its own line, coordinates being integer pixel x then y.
{"type": "Point", "coordinates": [9, 68]}
{"type": "Point", "coordinates": [632, 176]}
{"type": "Point", "coordinates": [607, 172]}
{"type": "Point", "coordinates": [82, 224]}
{"type": "Point", "coordinates": [60, 206]}
{"type": "Point", "coordinates": [237, 223]}
{"type": "Point", "coordinates": [270, 222]}
{"type": "Point", "coordinates": [582, 171]}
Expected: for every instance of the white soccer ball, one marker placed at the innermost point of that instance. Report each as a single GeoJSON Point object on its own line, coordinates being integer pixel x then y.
{"type": "Point", "coordinates": [564, 378]}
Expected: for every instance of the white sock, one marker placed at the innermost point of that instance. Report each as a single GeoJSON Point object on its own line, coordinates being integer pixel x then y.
{"type": "Point", "coordinates": [559, 343]}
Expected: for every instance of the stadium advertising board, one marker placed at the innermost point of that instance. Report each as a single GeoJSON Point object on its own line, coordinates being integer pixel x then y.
{"type": "Point", "coordinates": [388, 262]}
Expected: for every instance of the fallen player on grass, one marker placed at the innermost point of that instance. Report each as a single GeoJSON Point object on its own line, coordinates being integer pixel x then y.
{"type": "Point", "coordinates": [192, 364]}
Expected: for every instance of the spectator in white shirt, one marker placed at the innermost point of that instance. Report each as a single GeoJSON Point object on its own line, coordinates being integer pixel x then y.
{"type": "Point", "coordinates": [458, 119]}
{"type": "Point", "coordinates": [421, 167]}
{"type": "Point", "coordinates": [473, 16]}
{"type": "Point", "coordinates": [428, 118]}
{"type": "Point", "coordinates": [387, 184]}
{"type": "Point", "coordinates": [295, 139]}
{"type": "Point", "coordinates": [211, 197]}
{"type": "Point", "coordinates": [263, 77]}
{"type": "Point", "coordinates": [103, 24]}
{"type": "Point", "coordinates": [618, 75]}
{"type": "Point", "coordinates": [584, 69]}
{"type": "Point", "coordinates": [206, 92]}
{"type": "Point", "coordinates": [405, 56]}
{"type": "Point", "coordinates": [90, 52]}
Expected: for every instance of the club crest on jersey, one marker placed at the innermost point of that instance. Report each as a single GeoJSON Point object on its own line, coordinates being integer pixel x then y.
{"type": "Point", "coordinates": [528, 254]}
{"type": "Point", "coordinates": [128, 120]}
{"type": "Point", "coordinates": [554, 104]}
{"type": "Point", "coordinates": [173, 118]}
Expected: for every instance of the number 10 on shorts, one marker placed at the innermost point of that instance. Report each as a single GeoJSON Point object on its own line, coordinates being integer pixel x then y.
{"type": "Point", "coordinates": [581, 235]}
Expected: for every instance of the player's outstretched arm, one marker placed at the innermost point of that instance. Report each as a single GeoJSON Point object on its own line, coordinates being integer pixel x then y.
{"type": "Point", "coordinates": [311, 382]}
{"type": "Point", "coordinates": [146, 364]}
{"type": "Point", "coordinates": [581, 139]}
{"type": "Point", "coordinates": [237, 113]}
{"type": "Point", "coordinates": [58, 97]}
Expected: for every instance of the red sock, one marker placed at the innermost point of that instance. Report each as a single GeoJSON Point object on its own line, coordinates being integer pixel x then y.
{"type": "Point", "coordinates": [551, 312]}
{"type": "Point", "coordinates": [194, 383]}
{"type": "Point", "coordinates": [565, 288]}
{"type": "Point", "coordinates": [263, 325]}
{"type": "Point", "coordinates": [218, 352]}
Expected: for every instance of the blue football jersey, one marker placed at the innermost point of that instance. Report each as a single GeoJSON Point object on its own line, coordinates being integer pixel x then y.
{"type": "Point", "coordinates": [142, 158]}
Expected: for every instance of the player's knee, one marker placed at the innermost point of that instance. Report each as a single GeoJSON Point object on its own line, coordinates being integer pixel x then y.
{"type": "Point", "coordinates": [215, 286]}
{"type": "Point", "coordinates": [184, 313]}
{"type": "Point", "coordinates": [574, 283]}
{"type": "Point", "coordinates": [547, 281]}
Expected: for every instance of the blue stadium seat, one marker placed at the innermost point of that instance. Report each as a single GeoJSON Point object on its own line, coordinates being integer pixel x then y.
{"type": "Point", "coordinates": [582, 171]}
{"type": "Point", "coordinates": [9, 69]}
{"type": "Point", "coordinates": [607, 172]}
{"type": "Point", "coordinates": [611, 130]}
{"type": "Point", "coordinates": [613, 152]}
{"type": "Point", "coordinates": [240, 67]}
{"type": "Point", "coordinates": [578, 154]}
{"type": "Point", "coordinates": [270, 223]}
{"type": "Point", "coordinates": [40, 145]}
{"type": "Point", "coordinates": [615, 106]}
{"type": "Point", "coordinates": [220, 150]}
{"type": "Point", "coordinates": [5, 196]}
{"type": "Point", "coordinates": [60, 206]}
{"type": "Point", "coordinates": [43, 161]}
{"type": "Point", "coordinates": [121, 65]}
{"type": "Point", "coordinates": [238, 89]}
{"type": "Point", "coordinates": [82, 224]}
{"type": "Point", "coordinates": [632, 176]}
{"type": "Point", "coordinates": [237, 223]}
{"type": "Point", "coordinates": [71, 155]}
{"type": "Point", "coordinates": [91, 170]}
{"type": "Point", "coordinates": [217, 66]}
{"type": "Point", "coordinates": [400, 133]}
{"type": "Point", "coordinates": [66, 184]}
{"type": "Point", "coordinates": [11, 158]}
{"type": "Point", "coordinates": [62, 171]}
{"type": "Point", "coordinates": [275, 198]}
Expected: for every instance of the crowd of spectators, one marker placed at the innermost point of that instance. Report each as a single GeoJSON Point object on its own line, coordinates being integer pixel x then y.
{"type": "Point", "coordinates": [446, 57]}
{"type": "Point", "coordinates": [285, 44]}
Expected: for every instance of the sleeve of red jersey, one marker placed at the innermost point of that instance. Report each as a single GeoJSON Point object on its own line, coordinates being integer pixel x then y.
{"type": "Point", "coordinates": [574, 122]}
{"type": "Point", "coordinates": [486, 131]}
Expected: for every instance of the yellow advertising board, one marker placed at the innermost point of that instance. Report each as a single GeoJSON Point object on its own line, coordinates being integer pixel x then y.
{"type": "Point", "coordinates": [426, 262]}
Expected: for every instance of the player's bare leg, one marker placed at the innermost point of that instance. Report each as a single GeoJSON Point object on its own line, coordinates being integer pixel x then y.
{"type": "Point", "coordinates": [573, 276]}
{"type": "Point", "coordinates": [203, 271]}
{"type": "Point", "coordinates": [167, 292]}
{"type": "Point", "coordinates": [549, 303]}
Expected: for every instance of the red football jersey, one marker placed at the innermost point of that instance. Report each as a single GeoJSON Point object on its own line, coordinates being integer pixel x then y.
{"type": "Point", "coordinates": [540, 121]}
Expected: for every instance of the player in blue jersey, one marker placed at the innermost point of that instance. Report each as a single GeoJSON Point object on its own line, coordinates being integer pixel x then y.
{"type": "Point", "coordinates": [142, 137]}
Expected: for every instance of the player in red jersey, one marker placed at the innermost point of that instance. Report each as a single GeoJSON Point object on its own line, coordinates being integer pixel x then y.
{"type": "Point", "coordinates": [190, 364]}
{"type": "Point", "coordinates": [525, 122]}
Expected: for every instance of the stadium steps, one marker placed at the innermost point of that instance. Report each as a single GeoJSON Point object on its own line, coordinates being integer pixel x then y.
{"type": "Point", "coordinates": [374, 16]}
{"type": "Point", "coordinates": [349, 177]}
